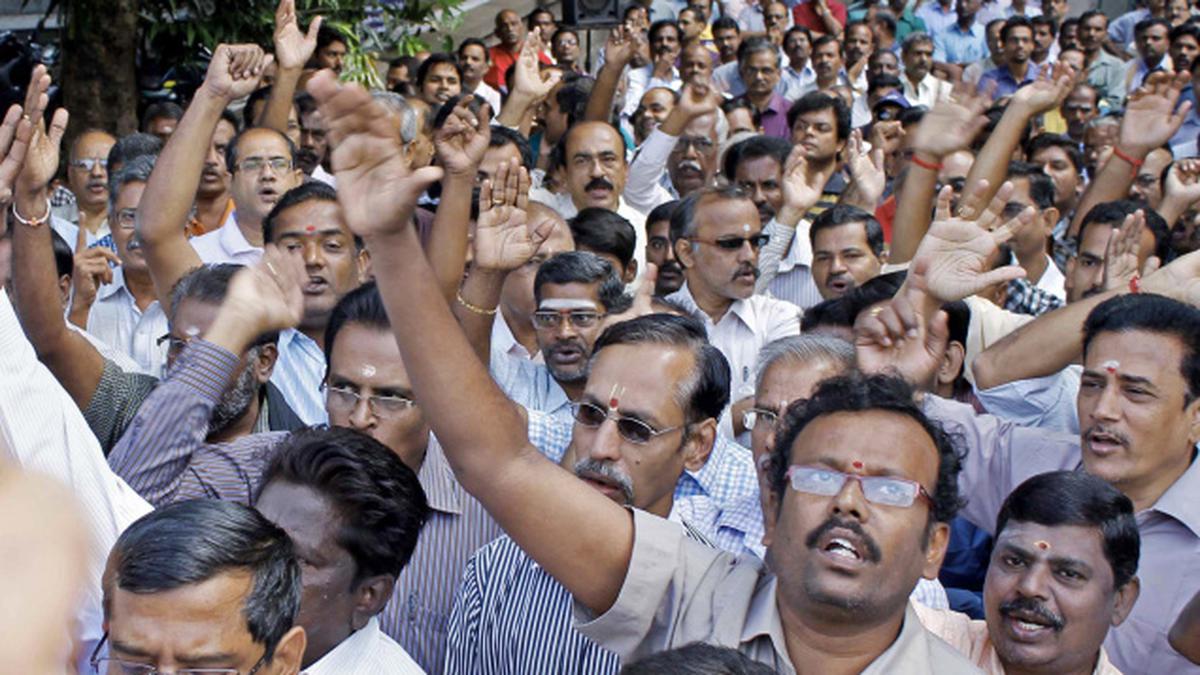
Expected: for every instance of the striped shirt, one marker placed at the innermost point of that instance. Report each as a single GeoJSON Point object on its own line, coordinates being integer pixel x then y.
{"type": "Point", "coordinates": [530, 385]}
{"type": "Point", "coordinates": [299, 372]}
{"type": "Point", "coordinates": [163, 454]}
{"type": "Point", "coordinates": [785, 265]}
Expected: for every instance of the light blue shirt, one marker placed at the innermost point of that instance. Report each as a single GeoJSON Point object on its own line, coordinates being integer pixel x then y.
{"type": "Point", "coordinates": [954, 45]}
{"type": "Point", "coordinates": [937, 20]}
{"type": "Point", "coordinates": [530, 385]}
{"type": "Point", "coordinates": [1044, 402]}
{"type": "Point", "coordinates": [299, 372]}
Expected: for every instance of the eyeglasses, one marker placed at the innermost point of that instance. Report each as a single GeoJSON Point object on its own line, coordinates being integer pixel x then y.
{"type": "Point", "coordinates": [756, 416]}
{"type": "Point", "coordinates": [110, 666]}
{"type": "Point", "coordinates": [756, 242]}
{"type": "Point", "coordinates": [89, 163]}
{"type": "Point", "coordinates": [256, 164]}
{"type": "Point", "coordinates": [815, 480]}
{"type": "Point", "coordinates": [630, 428]}
{"type": "Point", "coordinates": [699, 143]}
{"type": "Point", "coordinates": [343, 400]}
{"type": "Point", "coordinates": [545, 319]}
{"type": "Point", "coordinates": [126, 218]}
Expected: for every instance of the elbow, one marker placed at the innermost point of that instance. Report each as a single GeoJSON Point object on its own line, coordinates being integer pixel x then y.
{"type": "Point", "coordinates": [984, 369]}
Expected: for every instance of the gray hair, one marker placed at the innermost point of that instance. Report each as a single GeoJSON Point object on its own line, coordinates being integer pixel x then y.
{"type": "Point", "coordinates": [806, 349]}
{"type": "Point", "coordinates": [1104, 121]}
{"type": "Point", "coordinates": [408, 117]}
{"type": "Point", "coordinates": [136, 170]}
{"type": "Point", "coordinates": [913, 39]}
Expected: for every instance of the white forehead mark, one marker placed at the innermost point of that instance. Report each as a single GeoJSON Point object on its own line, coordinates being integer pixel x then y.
{"type": "Point", "coordinates": [368, 370]}
{"type": "Point", "coordinates": [191, 331]}
{"type": "Point", "coordinates": [567, 303]}
{"type": "Point", "coordinates": [745, 227]}
{"type": "Point", "coordinates": [1111, 365]}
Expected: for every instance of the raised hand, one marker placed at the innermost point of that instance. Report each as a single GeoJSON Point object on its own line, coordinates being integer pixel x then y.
{"type": "Point", "coordinates": [1183, 183]}
{"type": "Point", "coordinates": [696, 99]}
{"type": "Point", "coordinates": [235, 70]}
{"type": "Point", "coordinates": [1121, 255]}
{"type": "Point", "coordinates": [802, 189]}
{"type": "Point", "coordinates": [619, 48]}
{"type": "Point", "coordinates": [376, 189]}
{"type": "Point", "coordinates": [957, 253]}
{"type": "Point", "coordinates": [41, 158]}
{"type": "Point", "coordinates": [1047, 91]}
{"type": "Point", "coordinates": [1179, 279]}
{"type": "Point", "coordinates": [866, 169]}
{"type": "Point", "coordinates": [268, 295]}
{"type": "Point", "coordinates": [503, 240]}
{"type": "Point", "coordinates": [905, 337]}
{"type": "Point", "coordinates": [92, 271]}
{"type": "Point", "coordinates": [1151, 118]}
{"type": "Point", "coordinates": [528, 78]}
{"type": "Point", "coordinates": [463, 138]}
{"type": "Point", "coordinates": [293, 48]}
{"type": "Point", "coordinates": [952, 124]}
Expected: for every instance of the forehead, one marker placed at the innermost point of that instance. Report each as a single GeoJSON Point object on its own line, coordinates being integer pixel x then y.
{"type": "Point", "coordinates": [262, 142]}
{"type": "Point", "coordinates": [194, 620]}
{"type": "Point", "coordinates": [847, 235]}
{"type": "Point", "coordinates": [658, 95]}
{"type": "Point", "coordinates": [846, 437]}
{"type": "Point", "coordinates": [1064, 541]}
{"type": "Point", "coordinates": [1051, 153]}
{"type": "Point", "coordinates": [704, 125]}
{"type": "Point", "coordinates": [1020, 190]}
{"type": "Point", "coordinates": [308, 517]}
{"type": "Point", "coordinates": [130, 195]}
{"type": "Point", "coordinates": [358, 346]}
{"type": "Point", "coordinates": [1156, 161]}
{"type": "Point", "coordinates": [720, 217]}
{"type": "Point", "coordinates": [572, 291]}
{"type": "Point", "coordinates": [647, 376]}
{"type": "Point", "coordinates": [829, 48]}
{"type": "Point", "coordinates": [94, 143]}
{"type": "Point", "coordinates": [1019, 31]}
{"type": "Point", "coordinates": [790, 379]}
{"type": "Point", "coordinates": [593, 139]}
{"type": "Point", "coordinates": [658, 228]}
{"type": "Point", "coordinates": [822, 116]}
{"type": "Point", "coordinates": [758, 169]}
{"type": "Point", "coordinates": [443, 69]}
{"type": "Point", "coordinates": [1102, 132]}
{"type": "Point", "coordinates": [317, 213]}
{"type": "Point", "coordinates": [761, 59]}
{"type": "Point", "coordinates": [1141, 353]}
{"type": "Point", "coordinates": [860, 30]}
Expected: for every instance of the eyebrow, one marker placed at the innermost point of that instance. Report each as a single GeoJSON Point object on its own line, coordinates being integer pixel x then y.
{"type": "Point", "coordinates": [343, 382]}
{"type": "Point", "coordinates": [328, 232]}
{"type": "Point", "coordinates": [1127, 379]}
{"type": "Point", "coordinates": [639, 415]}
{"type": "Point", "coordinates": [1057, 560]}
{"type": "Point", "coordinates": [880, 472]}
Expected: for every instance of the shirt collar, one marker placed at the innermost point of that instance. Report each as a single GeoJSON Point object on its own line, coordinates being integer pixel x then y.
{"type": "Point", "coordinates": [1179, 501]}
{"type": "Point", "coordinates": [115, 287]}
{"type": "Point", "coordinates": [344, 657]}
{"type": "Point", "coordinates": [442, 492]}
{"type": "Point", "coordinates": [778, 104]}
{"type": "Point", "coordinates": [762, 618]}
{"type": "Point", "coordinates": [737, 309]}
{"type": "Point", "coordinates": [232, 239]}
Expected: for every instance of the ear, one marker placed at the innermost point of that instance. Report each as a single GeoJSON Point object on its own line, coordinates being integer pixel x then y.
{"type": "Point", "coordinates": [952, 362]}
{"type": "Point", "coordinates": [1127, 595]}
{"type": "Point", "coordinates": [700, 444]}
{"type": "Point", "coordinates": [683, 253]}
{"type": "Point", "coordinates": [1049, 220]}
{"type": "Point", "coordinates": [935, 549]}
{"type": "Point", "coordinates": [369, 598]}
{"type": "Point", "coordinates": [631, 271]}
{"type": "Point", "coordinates": [362, 262]}
{"type": "Point", "coordinates": [1193, 412]}
{"type": "Point", "coordinates": [264, 365]}
{"type": "Point", "coordinates": [290, 652]}
{"type": "Point", "coordinates": [64, 289]}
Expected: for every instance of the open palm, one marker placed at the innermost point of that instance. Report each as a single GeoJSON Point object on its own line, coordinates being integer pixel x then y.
{"type": "Point", "coordinates": [293, 48]}
{"type": "Point", "coordinates": [503, 238]}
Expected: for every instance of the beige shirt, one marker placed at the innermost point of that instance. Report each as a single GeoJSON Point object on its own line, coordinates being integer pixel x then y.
{"type": "Point", "coordinates": [678, 591]}
{"type": "Point", "coordinates": [972, 639]}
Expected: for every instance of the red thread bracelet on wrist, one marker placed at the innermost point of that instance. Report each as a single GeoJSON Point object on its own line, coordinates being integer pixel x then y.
{"type": "Point", "coordinates": [1136, 163]}
{"type": "Point", "coordinates": [926, 165]}
{"type": "Point", "coordinates": [1135, 283]}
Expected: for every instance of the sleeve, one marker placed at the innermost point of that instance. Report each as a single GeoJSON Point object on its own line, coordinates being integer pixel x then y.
{"type": "Point", "coordinates": [462, 631]}
{"type": "Point", "coordinates": [549, 434]}
{"type": "Point", "coordinates": [939, 48]}
{"type": "Point", "coordinates": [115, 403]}
{"type": "Point", "coordinates": [41, 429]}
{"type": "Point", "coordinates": [165, 438]}
{"type": "Point", "coordinates": [784, 320]}
{"type": "Point", "coordinates": [771, 254]}
{"type": "Point", "coordinates": [1042, 402]}
{"type": "Point", "coordinates": [635, 86]}
{"type": "Point", "coordinates": [642, 190]}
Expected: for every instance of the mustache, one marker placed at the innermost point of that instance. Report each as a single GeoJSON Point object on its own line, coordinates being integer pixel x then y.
{"type": "Point", "coordinates": [1101, 429]}
{"type": "Point", "coordinates": [598, 184]}
{"type": "Point", "coordinates": [747, 269]}
{"type": "Point", "coordinates": [872, 554]}
{"type": "Point", "coordinates": [568, 343]}
{"type": "Point", "coordinates": [690, 164]}
{"type": "Point", "coordinates": [1030, 606]}
{"type": "Point", "coordinates": [605, 472]}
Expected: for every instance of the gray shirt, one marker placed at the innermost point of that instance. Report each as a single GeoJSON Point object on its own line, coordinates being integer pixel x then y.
{"type": "Point", "coordinates": [678, 591]}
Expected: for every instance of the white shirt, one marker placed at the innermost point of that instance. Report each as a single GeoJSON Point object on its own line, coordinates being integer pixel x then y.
{"type": "Point", "coordinates": [226, 244]}
{"type": "Point", "coordinates": [504, 342]}
{"type": "Point", "coordinates": [366, 652]}
{"type": "Point", "coordinates": [928, 91]}
{"type": "Point", "coordinates": [41, 429]}
{"type": "Point", "coordinates": [1053, 281]}
{"type": "Point", "coordinates": [643, 185]}
{"type": "Point", "coordinates": [745, 328]}
{"type": "Point", "coordinates": [298, 374]}
{"type": "Point", "coordinates": [324, 176]}
{"type": "Point", "coordinates": [116, 320]}
{"type": "Point", "coordinates": [565, 206]}
{"type": "Point", "coordinates": [487, 93]}
{"type": "Point", "coordinates": [641, 80]}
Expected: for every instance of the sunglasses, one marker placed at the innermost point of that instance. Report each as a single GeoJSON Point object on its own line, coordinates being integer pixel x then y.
{"type": "Point", "coordinates": [631, 429]}
{"type": "Point", "coordinates": [756, 242]}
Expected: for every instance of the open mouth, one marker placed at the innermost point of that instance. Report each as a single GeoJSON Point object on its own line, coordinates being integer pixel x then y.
{"type": "Point", "coordinates": [1102, 443]}
{"type": "Point", "coordinates": [839, 285]}
{"type": "Point", "coordinates": [1027, 626]}
{"type": "Point", "coordinates": [565, 355]}
{"type": "Point", "coordinates": [268, 194]}
{"type": "Point", "coordinates": [315, 286]}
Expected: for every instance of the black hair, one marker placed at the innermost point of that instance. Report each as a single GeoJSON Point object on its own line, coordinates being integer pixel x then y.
{"type": "Point", "coordinates": [231, 150]}
{"type": "Point", "coordinates": [875, 290]}
{"type": "Point", "coordinates": [726, 23]}
{"type": "Point", "coordinates": [208, 284]}
{"type": "Point", "coordinates": [660, 25]}
{"type": "Point", "coordinates": [705, 393]}
{"type": "Point", "coordinates": [1114, 213]}
{"type": "Point", "coordinates": [662, 212]}
{"type": "Point", "coordinates": [582, 267]}
{"type": "Point", "coordinates": [572, 96]}
{"type": "Point", "coordinates": [697, 659]}
{"type": "Point", "coordinates": [857, 392]}
{"type": "Point", "coordinates": [815, 101]}
{"type": "Point", "coordinates": [363, 306]}
{"type": "Point", "coordinates": [190, 542]}
{"type": "Point", "coordinates": [305, 104]}
{"type": "Point", "coordinates": [1185, 29]}
{"type": "Point", "coordinates": [313, 190]}
{"type": "Point", "coordinates": [755, 147]}
{"type": "Point", "coordinates": [378, 500]}
{"type": "Point", "coordinates": [1041, 20]}
{"type": "Point", "coordinates": [136, 170]}
{"type": "Point", "coordinates": [844, 214]}
{"type": "Point", "coordinates": [257, 96]}
{"type": "Point", "coordinates": [603, 231]}
{"type": "Point", "coordinates": [1150, 22]}
{"type": "Point", "coordinates": [502, 135]}
{"type": "Point", "coordinates": [834, 312]}
{"type": "Point", "coordinates": [683, 220]}
{"type": "Point", "coordinates": [563, 30]}
{"type": "Point", "coordinates": [234, 122]}
{"type": "Point", "coordinates": [534, 12]}
{"type": "Point", "coordinates": [883, 81]}
{"type": "Point", "coordinates": [827, 39]}
{"type": "Point", "coordinates": [1152, 314]}
{"type": "Point", "coordinates": [1041, 187]}
{"type": "Point", "coordinates": [161, 110]}
{"type": "Point", "coordinates": [1015, 22]}
{"type": "Point", "coordinates": [889, 22]}
{"type": "Point", "coordinates": [912, 115]}
{"type": "Point", "coordinates": [327, 35]}
{"type": "Point", "coordinates": [471, 41]}
{"type": "Point", "coordinates": [1043, 141]}
{"type": "Point", "coordinates": [1091, 14]}
{"type": "Point", "coordinates": [434, 59]}
{"type": "Point", "coordinates": [1059, 498]}
{"type": "Point", "coordinates": [798, 29]}
{"type": "Point", "coordinates": [64, 255]}
{"type": "Point", "coordinates": [133, 145]}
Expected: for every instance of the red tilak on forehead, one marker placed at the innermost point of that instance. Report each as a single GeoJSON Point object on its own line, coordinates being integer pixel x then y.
{"type": "Point", "coordinates": [857, 464]}
{"type": "Point", "coordinates": [310, 228]}
{"type": "Point", "coordinates": [1041, 544]}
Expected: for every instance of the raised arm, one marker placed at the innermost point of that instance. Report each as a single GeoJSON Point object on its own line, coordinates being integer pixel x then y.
{"type": "Point", "coordinates": [163, 211]}
{"type": "Point", "coordinates": [530, 86]}
{"type": "Point", "coordinates": [801, 192]}
{"type": "Point", "coordinates": [1033, 99]}
{"type": "Point", "coordinates": [1181, 191]}
{"type": "Point", "coordinates": [539, 504]}
{"type": "Point", "coordinates": [461, 143]}
{"type": "Point", "coordinates": [293, 49]}
{"type": "Point", "coordinates": [642, 184]}
{"type": "Point", "coordinates": [950, 126]}
{"type": "Point", "coordinates": [619, 50]}
{"type": "Point", "coordinates": [1150, 120]}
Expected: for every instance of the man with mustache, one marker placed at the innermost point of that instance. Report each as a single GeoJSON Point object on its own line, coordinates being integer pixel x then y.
{"type": "Point", "coordinates": [717, 236]}
{"type": "Point", "coordinates": [1063, 570]}
{"type": "Point", "coordinates": [510, 613]}
{"type": "Point", "coordinates": [847, 250]}
{"type": "Point", "coordinates": [659, 250]}
{"type": "Point", "coordinates": [87, 177]}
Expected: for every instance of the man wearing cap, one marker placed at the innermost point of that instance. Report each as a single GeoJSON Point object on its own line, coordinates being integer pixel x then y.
{"type": "Point", "coordinates": [888, 106]}
{"type": "Point", "coordinates": [920, 86]}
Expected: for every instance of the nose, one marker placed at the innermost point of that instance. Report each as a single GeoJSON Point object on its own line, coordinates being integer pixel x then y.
{"type": "Point", "coordinates": [361, 416]}
{"type": "Point", "coordinates": [606, 442]}
{"type": "Point", "coordinates": [565, 328]}
{"type": "Point", "coordinates": [1107, 406]}
{"type": "Point", "coordinates": [690, 151]}
{"type": "Point", "coordinates": [312, 254]}
{"type": "Point", "coordinates": [1032, 582]}
{"type": "Point", "coordinates": [97, 169]}
{"type": "Point", "coordinates": [850, 501]}
{"type": "Point", "coordinates": [837, 265]}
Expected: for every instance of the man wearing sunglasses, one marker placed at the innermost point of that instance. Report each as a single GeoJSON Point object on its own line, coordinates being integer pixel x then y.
{"type": "Point", "coordinates": [717, 236]}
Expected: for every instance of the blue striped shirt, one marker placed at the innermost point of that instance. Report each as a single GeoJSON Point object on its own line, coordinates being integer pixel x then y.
{"type": "Point", "coordinates": [530, 385]}
{"type": "Point", "coordinates": [298, 374]}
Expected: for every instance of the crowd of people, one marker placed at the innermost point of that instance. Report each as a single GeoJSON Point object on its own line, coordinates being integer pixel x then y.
{"type": "Point", "coordinates": [770, 337]}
